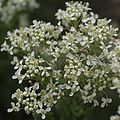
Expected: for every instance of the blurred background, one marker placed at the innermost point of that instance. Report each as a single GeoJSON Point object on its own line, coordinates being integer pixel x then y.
{"type": "Point", "coordinates": [46, 12]}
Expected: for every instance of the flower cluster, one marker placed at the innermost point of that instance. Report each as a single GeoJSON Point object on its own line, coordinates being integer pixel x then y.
{"type": "Point", "coordinates": [76, 12]}
{"type": "Point", "coordinates": [8, 10]}
{"type": "Point", "coordinates": [79, 54]}
{"type": "Point", "coordinates": [35, 100]}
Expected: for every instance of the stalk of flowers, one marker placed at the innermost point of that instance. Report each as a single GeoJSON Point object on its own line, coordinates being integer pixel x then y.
{"type": "Point", "coordinates": [9, 8]}
{"type": "Point", "coordinates": [79, 54]}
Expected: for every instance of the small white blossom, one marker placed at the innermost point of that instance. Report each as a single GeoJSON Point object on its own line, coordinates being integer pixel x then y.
{"type": "Point", "coordinates": [105, 101]}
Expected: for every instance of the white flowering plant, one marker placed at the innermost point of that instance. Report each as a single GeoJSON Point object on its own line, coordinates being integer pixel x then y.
{"type": "Point", "coordinates": [79, 57]}
{"type": "Point", "coordinates": [8, 8]}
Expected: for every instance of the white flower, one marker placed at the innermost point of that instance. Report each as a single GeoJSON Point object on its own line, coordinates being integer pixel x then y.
{"type": "Point", "coordinates": [105, 101]}
{"type": "Point", "coordinates": [116, 117]}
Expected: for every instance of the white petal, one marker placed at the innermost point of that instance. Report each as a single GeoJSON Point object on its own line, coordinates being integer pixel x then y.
{"type": "Point", "coordinates": [43, 116]}
{"type": "Point", "coordinates": [14, 77]}
{"type": "Point", "coordinates": [20, 81]}
{"type": "Point", "coordinates": [9, 110]}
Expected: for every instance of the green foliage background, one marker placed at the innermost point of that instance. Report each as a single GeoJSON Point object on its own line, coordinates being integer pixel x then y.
{"type": "Point", "coordinates": [67, 108]}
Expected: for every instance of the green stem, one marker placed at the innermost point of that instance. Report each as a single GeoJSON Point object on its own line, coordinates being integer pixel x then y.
{"type": "Point", "coordinates": [36, 116]}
